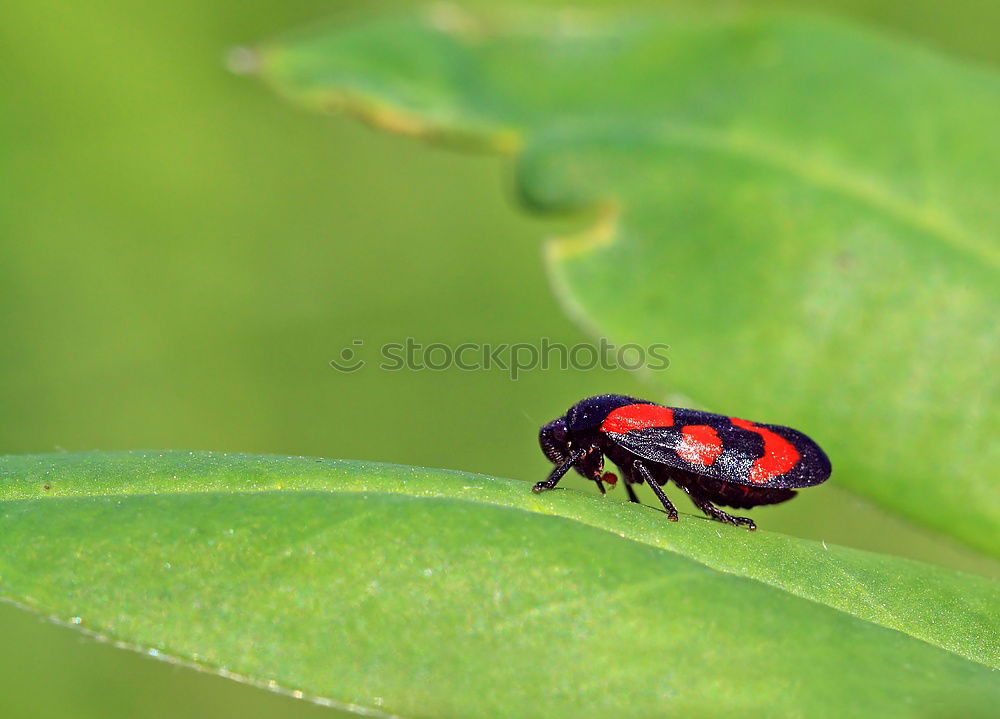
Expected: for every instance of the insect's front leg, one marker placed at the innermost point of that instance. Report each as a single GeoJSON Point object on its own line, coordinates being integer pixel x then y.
{"type": "Point", "coordinates": [644, 472]}
{"type": "Point", "coordinates": [558, 472]}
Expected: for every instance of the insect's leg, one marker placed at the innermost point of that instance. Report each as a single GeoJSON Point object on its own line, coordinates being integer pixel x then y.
{"type": "Point", "coordinates": [717, 514]}
{"type": "Point", "coordinates": [631, 492]}
{"type": "Point", "coordinates": [657, 490]}
{"type": "Point", "coordinates": [591, 466]}
{"type": "Point", "coordinates": [558, 472]}
{"type": "Point", "coordinates": [600, 483]}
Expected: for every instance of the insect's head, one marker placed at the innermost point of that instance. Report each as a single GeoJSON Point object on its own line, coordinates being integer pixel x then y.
{"type": "Point", "coordinates": [554, 440]}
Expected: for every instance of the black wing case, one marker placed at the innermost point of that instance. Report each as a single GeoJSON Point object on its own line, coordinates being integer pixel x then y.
{"type": "Point", "coordinates": [735, 454]}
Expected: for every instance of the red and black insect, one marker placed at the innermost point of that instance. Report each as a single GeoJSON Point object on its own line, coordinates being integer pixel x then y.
{"type": "Point", "coordinates": [715, 459]}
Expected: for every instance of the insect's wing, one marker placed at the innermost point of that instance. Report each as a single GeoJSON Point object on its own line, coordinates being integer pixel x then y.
{"type": "Point", "coordinates": [730, 450]}
{"type": "Point", "coordinates": [660, 445]}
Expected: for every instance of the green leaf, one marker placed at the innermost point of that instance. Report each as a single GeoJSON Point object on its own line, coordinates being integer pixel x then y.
{"type": "Point", "coordinates": [805, 212]}
{"type": "Point", "coordinates": [415, 592]}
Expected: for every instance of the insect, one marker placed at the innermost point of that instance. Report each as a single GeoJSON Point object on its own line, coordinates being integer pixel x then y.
{"type": "Point", "coordinates": [715, 459]}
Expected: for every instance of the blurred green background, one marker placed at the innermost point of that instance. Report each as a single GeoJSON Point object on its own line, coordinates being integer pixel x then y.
{"type": "Point", "coordinates": [183, 253]}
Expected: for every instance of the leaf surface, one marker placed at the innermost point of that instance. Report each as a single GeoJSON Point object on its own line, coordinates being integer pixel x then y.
{"type": "Point", "coordinates": [413, 592]}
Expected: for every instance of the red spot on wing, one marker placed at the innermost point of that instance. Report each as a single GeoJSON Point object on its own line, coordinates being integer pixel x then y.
{"type": "Point", "coordinates": [700, 444]}
{"type": "Point", "coordinates": [779, 457]}
{"type": "Point", "coordinates": [637, 416]}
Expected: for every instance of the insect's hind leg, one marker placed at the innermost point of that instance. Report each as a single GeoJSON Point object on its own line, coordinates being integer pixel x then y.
{"type": "Point", "coordinates": [717, 514]}
{"type": "Point", "coordinates": [641, 469]}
